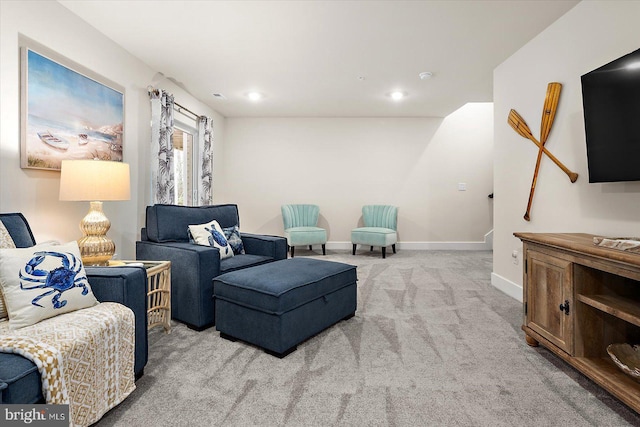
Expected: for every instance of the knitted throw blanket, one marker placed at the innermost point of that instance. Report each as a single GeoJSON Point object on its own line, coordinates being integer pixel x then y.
{"type": "Point", "coordinates": [85, 358]}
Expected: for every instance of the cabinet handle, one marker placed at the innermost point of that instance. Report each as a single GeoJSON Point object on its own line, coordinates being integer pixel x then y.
{"type": "Point", "coordinates": [565, 307]}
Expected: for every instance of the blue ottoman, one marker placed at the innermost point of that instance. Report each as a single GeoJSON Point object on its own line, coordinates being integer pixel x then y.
{"type": "Point", "coordinates": [278, 305]}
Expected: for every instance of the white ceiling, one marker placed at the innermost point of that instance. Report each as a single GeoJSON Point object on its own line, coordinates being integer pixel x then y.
{"type": "Point", "coordinates": [306, 57]}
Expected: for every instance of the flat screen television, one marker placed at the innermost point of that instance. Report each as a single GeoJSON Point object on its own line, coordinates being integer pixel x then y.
{"type": "Point", "coordinates": [611, 104]}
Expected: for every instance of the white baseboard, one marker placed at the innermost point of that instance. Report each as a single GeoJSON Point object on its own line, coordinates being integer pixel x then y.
{"type": "Point", "coordinates": [421, 246]}
{"type": "Point", "coordinates": [488, 239]}
{"type": "Point", "coordinates": [507, 286]}
{"type": "Point", "coordinates": [445, 246]}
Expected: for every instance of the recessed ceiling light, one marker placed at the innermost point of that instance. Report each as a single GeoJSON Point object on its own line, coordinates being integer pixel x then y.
{"type": "Point", "coordinates": [254, 96]}
{"type": "Point", "coordinates": [396, 96]}
{"type": "Point", "coordinates": [425, 75]}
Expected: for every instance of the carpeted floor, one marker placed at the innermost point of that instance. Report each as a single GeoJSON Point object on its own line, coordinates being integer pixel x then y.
{"type": "Point", "coordinates": [432, 344]}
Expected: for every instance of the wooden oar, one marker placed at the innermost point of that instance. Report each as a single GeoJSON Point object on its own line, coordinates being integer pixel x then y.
{"type": "Point", "coordinates": [549, 109]}
{"type": "Point", "coordinates": [548, 114]}
{"type": "Point", "coordinates": [520, 126]}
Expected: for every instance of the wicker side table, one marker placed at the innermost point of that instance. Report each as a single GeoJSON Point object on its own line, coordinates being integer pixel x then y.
{"type": "Point", "coordinates": [158, 291]}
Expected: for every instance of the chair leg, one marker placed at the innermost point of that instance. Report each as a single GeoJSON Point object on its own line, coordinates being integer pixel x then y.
{"type": "Point", "coordinates": [324, 249]}
{"type": "Point", "coordinates": [384, 252]}
{"type": "Point", "coordinates": [292, 250]}
{"type": "Point", "coordinates": [354, 249]}
{"type": "Point", "coordinates": [394, 248]}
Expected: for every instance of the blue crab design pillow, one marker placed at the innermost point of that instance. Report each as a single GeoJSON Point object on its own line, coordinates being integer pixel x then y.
{"type": "Point", "coordinates": [43, 281]}
{"type": "Point", "coordinates": [211, 234]}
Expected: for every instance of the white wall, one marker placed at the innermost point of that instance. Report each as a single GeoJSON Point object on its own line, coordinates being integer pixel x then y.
{"type": "Point", "coordinates": [588, 36]}
{"type": "Point", "coordinates": [35, 192]}
{"type": "Point", "coordinates": [339, 163]}
{"type": "Point", "coordinates": [343, 163]}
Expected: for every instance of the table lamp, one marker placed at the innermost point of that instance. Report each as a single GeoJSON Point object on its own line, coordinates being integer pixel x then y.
{"type": "Point", "coordinates": [95, 181]}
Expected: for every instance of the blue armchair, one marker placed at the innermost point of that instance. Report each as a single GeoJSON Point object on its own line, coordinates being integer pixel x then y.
{"type": "Point", "coordinates": [193, 267]}
{"type": "Point", "coordinates": [19, 377]}
{"type": "Point", "coordinates": [300, 227]}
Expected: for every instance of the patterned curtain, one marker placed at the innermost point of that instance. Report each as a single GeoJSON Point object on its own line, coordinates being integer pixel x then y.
{"type": "Point", "coordinates": [205, 140]}
{"type": "Point", "coordinates": [161, 131]}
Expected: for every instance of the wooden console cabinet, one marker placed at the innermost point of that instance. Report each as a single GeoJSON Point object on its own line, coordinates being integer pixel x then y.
{"type": "Point", "coordinates": [578, 298]}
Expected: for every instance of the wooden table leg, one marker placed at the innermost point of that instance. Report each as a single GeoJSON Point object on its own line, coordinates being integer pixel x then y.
{"type": "Point", "coordinates": [530, 341]}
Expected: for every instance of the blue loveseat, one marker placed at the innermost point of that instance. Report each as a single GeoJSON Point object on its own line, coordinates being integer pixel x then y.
{"type": "Point", "coordinates": [193, 267]}
{"type": "Point", "coordinates": [19, 378]}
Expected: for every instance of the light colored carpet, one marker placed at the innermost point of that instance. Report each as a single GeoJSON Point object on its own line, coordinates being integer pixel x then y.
{"type": "Point", "coordinates": [432, 344]}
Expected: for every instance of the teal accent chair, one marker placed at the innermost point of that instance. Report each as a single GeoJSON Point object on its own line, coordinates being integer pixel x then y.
{"type": "Point", "coordinates": [300, 227]}
{"type": "Point", "coordinates": [380, 228]}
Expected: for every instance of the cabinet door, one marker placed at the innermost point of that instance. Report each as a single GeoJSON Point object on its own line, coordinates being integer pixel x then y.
{"type": "Point", "coordinates": [548, 281]}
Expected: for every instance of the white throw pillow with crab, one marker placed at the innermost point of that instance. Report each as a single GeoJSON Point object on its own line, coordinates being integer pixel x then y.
{"type": "Point", "coordinates": [43, 281]}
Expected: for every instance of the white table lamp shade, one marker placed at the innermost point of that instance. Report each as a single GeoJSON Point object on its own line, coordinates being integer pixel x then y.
{"type": "Point", "coordinates": [90, 180]}
{"type": "Point", "coordinates": [95, 181]}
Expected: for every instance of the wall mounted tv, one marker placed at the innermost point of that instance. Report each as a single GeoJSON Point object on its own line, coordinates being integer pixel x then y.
{"type": "Point", "coordinates": [611, 104]}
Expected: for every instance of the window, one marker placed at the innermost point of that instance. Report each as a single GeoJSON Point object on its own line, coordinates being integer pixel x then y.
{"type": "Point", "coordinates": [185, 192]}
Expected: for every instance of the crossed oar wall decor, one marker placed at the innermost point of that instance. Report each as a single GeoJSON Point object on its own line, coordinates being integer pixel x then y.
{"type": "Point", "coordinates": [520, 126]}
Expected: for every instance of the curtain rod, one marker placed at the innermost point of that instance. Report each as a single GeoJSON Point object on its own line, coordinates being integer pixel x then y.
{"type": "Point", "coordinates": [180, 109]}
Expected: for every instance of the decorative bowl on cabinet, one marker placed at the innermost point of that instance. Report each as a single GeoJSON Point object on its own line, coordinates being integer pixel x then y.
{"type": "Point", "coordinates": [627, 358]}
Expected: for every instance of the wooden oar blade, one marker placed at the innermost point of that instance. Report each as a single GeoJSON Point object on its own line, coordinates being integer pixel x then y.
{"type": "Point", "coordinates": [519, 125]}
{"type": "Point", "coordinates": [549, 109]}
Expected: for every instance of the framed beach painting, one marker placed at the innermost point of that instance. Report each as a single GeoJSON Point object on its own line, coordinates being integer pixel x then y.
{"type": "Point", "coordinates": [67, 111]}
